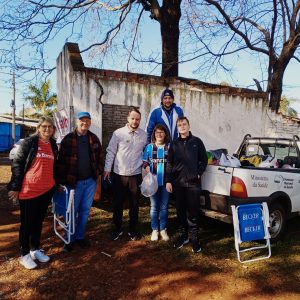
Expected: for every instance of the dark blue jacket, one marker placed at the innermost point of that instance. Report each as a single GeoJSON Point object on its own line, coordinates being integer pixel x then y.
{"type": "Point", "coordinates": [159, 116]}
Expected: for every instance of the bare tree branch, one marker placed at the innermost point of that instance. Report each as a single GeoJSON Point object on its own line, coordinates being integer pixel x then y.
{"type": "Point", "coordinates": [270, 27]}
{"type": "Point", "coordinates": [117, 27]}
{"type": "Point", "coordinates": [235, 28]}
{"type": "Point", "coordinates": [134, 38]}
{"type": "Point", "coordinates": [153, 7]}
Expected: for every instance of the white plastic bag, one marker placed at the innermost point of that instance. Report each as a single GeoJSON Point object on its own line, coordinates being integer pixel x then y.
{"type": "Point", "coordinates": [227, 160]}
{"type": "Point", "coordinates": [268, 162]}
{"type": "Point", "coordinates": [149, 185]}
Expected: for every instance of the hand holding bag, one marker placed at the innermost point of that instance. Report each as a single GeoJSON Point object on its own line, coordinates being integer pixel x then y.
{"type": "Point", "coordinates": [149, 185]}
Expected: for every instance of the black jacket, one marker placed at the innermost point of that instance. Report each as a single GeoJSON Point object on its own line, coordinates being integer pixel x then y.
{"type": "Point", "coordinates": [23, 160]}
{"type": "Point", "coordinates": [187, 160]}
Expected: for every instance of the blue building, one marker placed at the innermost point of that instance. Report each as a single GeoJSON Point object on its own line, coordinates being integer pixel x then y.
{"type": "Point", "coordinates": [24, 127]}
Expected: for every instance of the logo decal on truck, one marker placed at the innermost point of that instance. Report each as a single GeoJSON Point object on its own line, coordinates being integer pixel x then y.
{"type": "Point", "coordinates": [279, 180]}
{"type": "Point", "coordinates": [288, 183]}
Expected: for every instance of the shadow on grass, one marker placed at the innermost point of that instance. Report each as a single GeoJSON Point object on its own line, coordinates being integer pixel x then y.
{"type": "Point", "coordinates": [142, 269]}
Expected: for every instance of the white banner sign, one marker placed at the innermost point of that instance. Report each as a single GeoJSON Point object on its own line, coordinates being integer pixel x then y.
{"type": "Point", "coordinates": [62, 123]}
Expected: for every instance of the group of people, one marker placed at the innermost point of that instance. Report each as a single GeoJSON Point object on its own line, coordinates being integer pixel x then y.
{"type": "Point", "coordinates": [167, 149]}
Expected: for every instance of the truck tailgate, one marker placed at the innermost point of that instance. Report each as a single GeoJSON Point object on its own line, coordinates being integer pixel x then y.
{"type": "Point", "coordinates": [217, 179]}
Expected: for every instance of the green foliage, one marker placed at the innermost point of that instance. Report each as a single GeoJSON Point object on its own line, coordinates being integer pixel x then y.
{"type": "Point", "coordinates": [41, 99]}
{"type": "Point", "coordinates": [285, 108]}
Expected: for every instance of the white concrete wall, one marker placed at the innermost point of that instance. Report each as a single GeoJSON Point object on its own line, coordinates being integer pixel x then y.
{"type": "Point", "coordinates": [76, 92]}
{"type": "Point", "coordinates": [223, 120]}
{"type": "Point", "coordinates": [220, 119]}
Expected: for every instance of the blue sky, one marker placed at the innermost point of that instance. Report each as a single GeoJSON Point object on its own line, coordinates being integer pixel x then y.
{"type": "Point", "coordinates": [245, 68]}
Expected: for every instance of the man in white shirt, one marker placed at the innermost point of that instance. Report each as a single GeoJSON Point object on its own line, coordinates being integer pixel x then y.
{"type": "Point", "coordinates": [124, 153]}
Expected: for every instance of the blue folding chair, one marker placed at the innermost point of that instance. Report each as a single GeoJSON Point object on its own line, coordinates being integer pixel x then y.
{"type": "Point", "coordinates": [251, 223]}
{"type": "Point", "coordinates": [63, 213]}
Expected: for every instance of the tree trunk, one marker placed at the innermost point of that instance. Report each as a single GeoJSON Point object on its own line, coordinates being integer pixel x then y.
{"type": "Point", "coordinates": [276, 80]}
{"type": "Point", "coordinates": [276, 90]}
{"type": "Point", "coordinates": [169, 28]}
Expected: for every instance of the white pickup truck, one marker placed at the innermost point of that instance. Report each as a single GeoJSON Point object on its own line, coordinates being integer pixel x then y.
{"type": "Point", "coordinates": [279, 187]}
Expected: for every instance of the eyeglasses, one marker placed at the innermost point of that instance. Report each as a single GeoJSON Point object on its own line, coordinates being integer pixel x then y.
{"type": "Point", "coordinates": [46, 126]}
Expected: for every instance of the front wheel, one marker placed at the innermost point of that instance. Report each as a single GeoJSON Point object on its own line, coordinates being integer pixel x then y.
{"type": "Point", "coordinates": [277, 221]}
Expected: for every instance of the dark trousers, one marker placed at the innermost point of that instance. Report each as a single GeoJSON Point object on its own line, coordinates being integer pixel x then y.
{"type": "Point", "coordinates": [188, 209]}
{"type": "Point", "coordinates": [126, 187]}
{"type": "Point", "coordinates": [33, 212]}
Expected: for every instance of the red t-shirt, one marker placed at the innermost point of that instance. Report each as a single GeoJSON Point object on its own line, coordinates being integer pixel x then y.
{"type": "Point", "coordinates": [39, 178]}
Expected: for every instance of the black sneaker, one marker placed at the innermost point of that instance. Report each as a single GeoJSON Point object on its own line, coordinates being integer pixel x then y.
{"type": "Point", "coordinates": [83, 243]}
{"type": "Point", "coordinates": [116, 234]}
{"type": "Point", "coordinates": [68, 247]}
{"type": "Point", "coordinates": [134, 236]}
{"type": "Point", "coordinates": [181, 241]}
{"type": "Point", "coordinates": [196, 247]}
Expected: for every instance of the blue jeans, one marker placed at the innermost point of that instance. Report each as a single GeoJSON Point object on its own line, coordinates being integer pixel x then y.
{"type": "Point", "coordinates": [159, 209]}
{"type": "Point", "coordinates": [83, 200]}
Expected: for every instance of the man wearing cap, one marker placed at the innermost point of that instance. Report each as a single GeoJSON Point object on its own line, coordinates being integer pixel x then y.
{"type": "Point", "coordinates": [80, 162]}
{"type": "Point", "coordinates": [166, 114]}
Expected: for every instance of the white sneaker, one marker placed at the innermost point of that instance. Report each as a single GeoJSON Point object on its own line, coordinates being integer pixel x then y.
{"type": "Point", "coordinates": [164, 235]}
{"type": "Point", "coordinates": [154, 235]}
{"type": "Point", "coordinates": [39, 255]}
{"type": "Point", "coordinates": [27, 262]}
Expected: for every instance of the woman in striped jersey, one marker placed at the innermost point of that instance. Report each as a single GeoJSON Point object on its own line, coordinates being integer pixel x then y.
{"type": "Point", "coordinates": [155, 159]}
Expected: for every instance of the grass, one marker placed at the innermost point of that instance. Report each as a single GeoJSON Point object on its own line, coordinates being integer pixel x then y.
{"type": "Point", "coordinates": [216, 237]}
{"type": "Point", "coordinates": [278, 275]}
{"type": "Point", "coordinates": [216, 265]}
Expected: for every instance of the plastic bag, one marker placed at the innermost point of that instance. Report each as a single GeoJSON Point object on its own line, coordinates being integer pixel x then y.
{"type": "Point", "coordinates": [268, 162]}
{"type": "Point", "coordinates": [213, 156]}
{"type": "Point", "coordinates": [216, 154]}
{"type": "Point", "coordinates": [149, 185]}
{"type": "Point", "coordinates": [227, 160]}
{"type": "Point", "coordinates": [209, 158]}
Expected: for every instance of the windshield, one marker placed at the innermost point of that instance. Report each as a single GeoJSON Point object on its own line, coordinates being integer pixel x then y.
{"type": "Point", "coordinates": [279, 151]}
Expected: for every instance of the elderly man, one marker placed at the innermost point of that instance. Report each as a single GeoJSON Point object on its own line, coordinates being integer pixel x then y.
{"type": "Point", "coordinates": [80, 162]}
{"type": "Point", "coordinates": [166, 114]}
{"type": "Point", "coordinates": [124, 152]}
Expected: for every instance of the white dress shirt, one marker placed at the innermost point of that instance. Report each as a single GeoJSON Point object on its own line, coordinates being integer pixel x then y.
{"type": "Point", "coordinates": [125, 151]}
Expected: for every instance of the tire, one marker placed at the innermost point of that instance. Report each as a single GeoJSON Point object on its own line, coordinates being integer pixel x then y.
{"type": "Point", "coordinates": [277, 216]}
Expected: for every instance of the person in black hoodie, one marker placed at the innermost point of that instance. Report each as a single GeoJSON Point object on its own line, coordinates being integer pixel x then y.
{"type": "Point", "coordinates": [187, 160]}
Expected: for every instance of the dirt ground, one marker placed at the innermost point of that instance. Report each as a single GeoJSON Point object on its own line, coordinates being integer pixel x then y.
{"type": "Point", "coordinates": [143, 269]}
